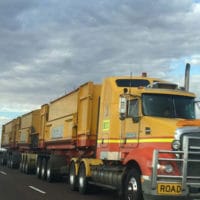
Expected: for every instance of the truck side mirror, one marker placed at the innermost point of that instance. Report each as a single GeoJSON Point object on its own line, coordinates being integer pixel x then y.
{"type": "Point", "coordinates": [197, 102]}
{"type": "Point", "coordinates": [122, 108]}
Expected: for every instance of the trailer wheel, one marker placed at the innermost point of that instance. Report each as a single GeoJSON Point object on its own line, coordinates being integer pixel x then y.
{"type": "Point", "coordinates": [132, 185]}
{"type": "Point", "coordinates": [21, 165]}
{"type": "Point", "coordinates": [50, 176]}
{"type": "Point", "coordinates": [2, 161]}
{"type": "Point", "coordinates": [44, 169]}
{"type": "Point", "coordinates": [24, 164]}
{"type": "Point", "coordinates": [26, 167]}
{"type": "Point", "coordinates": [73, 177]}
{"type": "Point", "coordinates": [38, 170]}
{"type": "Point", "coordinates": [12, 166]}
{"type": "Point", "coordinates": [8, 162]}
{"type": "Point", "coordinates": [82, 179]}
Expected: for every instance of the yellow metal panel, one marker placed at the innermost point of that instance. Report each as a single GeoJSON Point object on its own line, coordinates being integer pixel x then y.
{"type": "Point", "coordinates": [84, 117]}
{"type": "Point", "coordinates": [74, 114]}
{"type": "Point", "coordinates": [36, 121]}
{"type": "Point", "coordinates": [9, 133]}
{"type": "Point", "coordinates": [62, 128]}
{"type": "Point", "coordinates": [63, 106]}
{"type": "Point", "coordinates": [47, 133]}
{"type": "Point", "coordinates": [43, 120]}
{"type": "Point", "coordinates": [69, 127]}
{"type": "Point", "coordinates": [109, 126]}
{"type": "Point", "coordinates": [95, 109]}
{"type": "Point", "coordinates": [8, 127]}
{"type": "Point", "coordinates": [26, 120]}
{"type": "Point", "coordinates": [17, 129]}
{"type": "Point", "coordinates": [84, 108]}
{"type": "Point", "coordinates": [88, 108]}
{"type": "Point", "coordinates": [30, 124]}
{"type": "Point", "coordinates": [89, 162]}
{"type": "Point", "coordinates": [24, 135]}
{"type": "Point", "coordinates": [5, 137]}
{"type": "Point", "coordinates": [62, 118]}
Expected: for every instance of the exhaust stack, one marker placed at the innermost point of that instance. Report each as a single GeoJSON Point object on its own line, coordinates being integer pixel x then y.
{"type": "Point", "coordinates": [187, 77]}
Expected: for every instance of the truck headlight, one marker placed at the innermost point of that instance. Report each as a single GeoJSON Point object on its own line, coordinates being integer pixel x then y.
{"type": "Point", "coordinates": [168, 168]}
{"type": "Point", "coordinates": [165, 168]}
{"type": "Point", "coordinates": [176, 145]}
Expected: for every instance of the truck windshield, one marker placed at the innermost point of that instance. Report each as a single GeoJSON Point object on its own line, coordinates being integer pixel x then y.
{"type": "Point", "coordinates": [170, 106]}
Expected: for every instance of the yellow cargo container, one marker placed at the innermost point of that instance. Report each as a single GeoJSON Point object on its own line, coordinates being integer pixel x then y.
{"type": "Point", "coordinates": [62, 118]}
{"type": "Point", "coordinates": [30, 129]}
{"type": "Point", "coordinates": [8, 134]}
{"type": "Point", "coordinates": [10, 131]}
{"type": "Point", "coordinates": [72, 118]}
{"type": "Point", "coordinates": [5, 138]}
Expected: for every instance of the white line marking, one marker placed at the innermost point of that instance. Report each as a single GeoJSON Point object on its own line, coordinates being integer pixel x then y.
{"type": "Point", "coordinates": [2, 172]}
{"type": "Point", "coordinates": [36, 189]}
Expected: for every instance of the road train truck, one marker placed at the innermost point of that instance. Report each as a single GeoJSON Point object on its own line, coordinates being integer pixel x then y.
{"type": "Point", "coordinates": [136, 135]}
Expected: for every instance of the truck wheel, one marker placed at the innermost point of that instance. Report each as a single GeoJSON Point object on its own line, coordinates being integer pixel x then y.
{"type": "Point", "coordinates": [24, 164]}
{"type": "Point", "coordinates": [2, 163]}
{"type": "Point", "coordinates": [82, 179]}
{"type": "Point", "coordinates": [12, 166]}
{"type": "Point", "coordinates": [26, 167]}
{"type": "Point", "coordinates": [21, 165]}
{"type": "Point", "coordinates": [38, 170]}
{"type": "Point", "coordinates": [132, 186]}
{"type": "Point", "coordinates": [72, 177]}
{"type": "Point", "coordinates": [8, 163]}
{"type": "Point", "coordinates": [50, 176]}
{"type": "Point", "coordinates": [44, 169]}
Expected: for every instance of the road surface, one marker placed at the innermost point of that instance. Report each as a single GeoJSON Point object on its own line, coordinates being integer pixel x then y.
{"type": "Point", "coordinates": [15, 185]}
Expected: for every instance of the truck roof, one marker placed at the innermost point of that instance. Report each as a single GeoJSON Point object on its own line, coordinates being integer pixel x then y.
{"type": "Point", "coordinates": [140, 84]}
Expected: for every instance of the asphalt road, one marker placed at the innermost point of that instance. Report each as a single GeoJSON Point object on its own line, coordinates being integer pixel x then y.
{"type": "Point", "coordinates": [15, 185]}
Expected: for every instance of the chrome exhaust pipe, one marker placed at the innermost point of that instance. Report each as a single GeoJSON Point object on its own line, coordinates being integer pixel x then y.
{"type": "Point", "coordinates": [187, 77]}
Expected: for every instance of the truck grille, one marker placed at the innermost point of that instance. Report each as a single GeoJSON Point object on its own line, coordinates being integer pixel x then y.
{"type": "Point", "coordinates": [191, 147]}
{"type": "Point", "coordinates": [187, 160]}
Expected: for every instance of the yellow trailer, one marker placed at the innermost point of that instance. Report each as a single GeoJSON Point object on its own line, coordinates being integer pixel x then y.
{"type": "Point", "coordinates": [29, 130]}
{"type": "Point", "coordinates": [7, 136]}
{"type": "Point", "coordinates": [72, 119]}
{"type": "Point", "coordinates": [28, 140]}
{"type": "Point", "coordinates": [70, 130]}
{"type": "Point", "coordinates": [10, 132]}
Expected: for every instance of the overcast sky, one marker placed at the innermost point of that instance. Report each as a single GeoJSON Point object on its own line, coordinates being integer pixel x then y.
{"type": "Point", "coordinates": [50, 47]}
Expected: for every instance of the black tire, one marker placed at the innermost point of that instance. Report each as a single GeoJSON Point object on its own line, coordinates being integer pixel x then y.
{"type": "Point", "coordinates": [2, 163]}
{"type": "Point", "coordinates": [26, 167]}
{"type": "Point", "coordinates": [44, 169]}
{"type": "Point", "coordinates": [132, 186]}
{"type": "Point", "coordinates": [38, 169]}
{"type": "Point", "coordinates": [72, 177]}
{"type": "Point", "coordinates": [9, 161]}
{"type": "Point", "coordinates": [21, 165]}
{"type": "Point", "coordinates": [12, 165]}
{"type": "Point", "coordinates": [2, 160]}
{"type": "Point", "coordinates": [82, 180]}
{"type": "Point", "coordinates": [50, 174]}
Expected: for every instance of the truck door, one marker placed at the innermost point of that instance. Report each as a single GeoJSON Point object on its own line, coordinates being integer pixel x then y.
{"type": "Point", "coordinates": [130, 126]}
